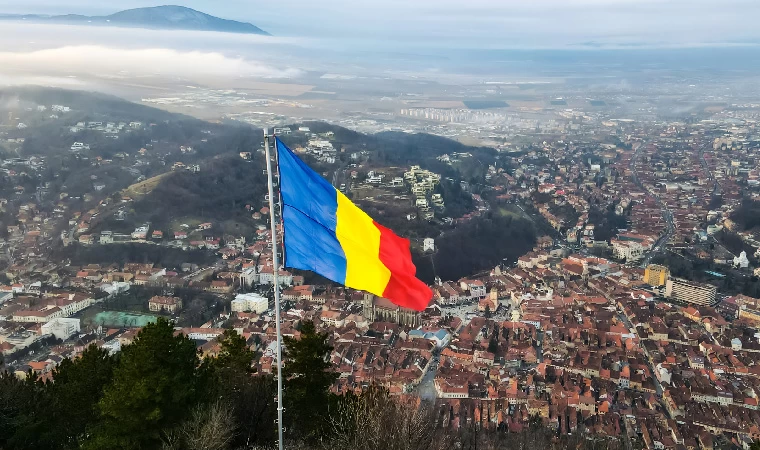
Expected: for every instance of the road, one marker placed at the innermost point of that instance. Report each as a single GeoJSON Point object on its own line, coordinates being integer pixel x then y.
{"type": "Point", "coordinates": [426, 388]}
{"type": "Point", "coordinates": [666, 213]}
{"type": "Point", "coordinates": [630, 326]}
{"type": "Point", "coordinates": [200, 274]}
{"type": "Point", "coordinates": [717, 190]}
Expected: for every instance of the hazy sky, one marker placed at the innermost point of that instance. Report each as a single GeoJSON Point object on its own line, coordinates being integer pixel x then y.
{"type": "Point", "coordinates": [477, 23]}
{"type": "Point", "coordinates": [387, 38]}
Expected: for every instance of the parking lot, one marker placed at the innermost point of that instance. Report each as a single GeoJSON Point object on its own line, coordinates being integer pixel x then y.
{"type": "Point", "coordinates": [470, 310]}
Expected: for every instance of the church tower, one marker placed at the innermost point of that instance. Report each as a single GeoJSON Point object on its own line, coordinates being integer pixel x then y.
{"type": "Point", "coordinates": [368, 310]}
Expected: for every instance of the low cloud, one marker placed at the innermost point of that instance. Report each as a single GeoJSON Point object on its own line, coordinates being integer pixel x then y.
{"type": "Point", "coordinates": [120, 62]}
{"type": "Point", "coordinates": [20, 80]}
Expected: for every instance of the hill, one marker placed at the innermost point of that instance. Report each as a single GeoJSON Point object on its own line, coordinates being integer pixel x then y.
{"type": "Point", "coordinates": [157, 17]}
{"type": "Point", "coordinates": [85, 103]}
{"type": "Point", "coordinates": [175, 172]}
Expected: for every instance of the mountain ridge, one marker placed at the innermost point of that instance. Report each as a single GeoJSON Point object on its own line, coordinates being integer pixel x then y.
{"type": "Point", "coordinates": [165, 17]}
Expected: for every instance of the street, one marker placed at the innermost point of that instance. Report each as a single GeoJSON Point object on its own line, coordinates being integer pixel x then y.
{"type": "Point", "coordinates": [666, 213]}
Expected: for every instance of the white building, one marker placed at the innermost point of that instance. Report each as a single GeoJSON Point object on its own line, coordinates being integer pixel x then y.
{"type": "Point", "coordinates": [627, 250]}
{"type": "Point", "coordinates": [428, 245]}
{"type": "Point", "coordinates": [250, 302]}
{"type": "Point", "coordinates": [61, 328]}
{"type": "Point", "coordinates": [106, 237]}
{"type": "Point", "coordinates": [712, 229]}
{"type": "Point", "coordinates": [741, 261]}
{"type": "Point", "coordinates": [203, 334]}
{"type": "Point", "coordinates": [74, 304]}
{"type": "Point", "coordinates": [476, 287]}
{"type": "Point", "coordinates": [115, 288]}
{"type": "Point", "coordinates": [266, 276]}
{"type": "Point", "coordinates": [249, 277]}
{"type": "Point", "coordinates": [5, 296]}
{"type": "Point", "coordinates": [441, 338]}
{"type": "Point", "coordinates": [78, 146]}
{"type": "Point", "coordinates": [113, 347]}
{"type": "Point", "coordinates": [140, 232]}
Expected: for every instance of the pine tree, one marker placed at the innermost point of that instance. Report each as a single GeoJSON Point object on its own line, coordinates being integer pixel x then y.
{"type": "Point", "coordinates": [308, 377]}
{"type": "Point", "coordinates": [21, 402]}
{"type": "Point", "coordinates": [79, 382]}
{"type": "Point", "coordinates": [234, 354]}
{"type": "Point", "coordinates": [252, 397]}
{"type": "Point", "coordinates": [155, 385]}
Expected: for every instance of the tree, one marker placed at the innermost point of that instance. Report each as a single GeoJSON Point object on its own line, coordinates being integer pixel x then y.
{"type": "Point", "coordinates": [210, 427]}
{"type": "Point", "coordinates": [374, 420]}
{"type": "Point", "coordinates": [308, 377]}
{"type": "Point", "coordinates": [155, 384]}
{"type": "Point", "coordinates": [234, 354]}
{"type": "Point", "coordinates": [251, 397]}
{"type": "Point", "coordinates": [79, 382]}
{"type": "Point", "coordinates": [493, 343]}
{"type": "Point", "coordinates": [254, 400]}
{"type": "Point", "coordinates": [488, 311]}
{"type": "Point", "coordinates": [20, 404]}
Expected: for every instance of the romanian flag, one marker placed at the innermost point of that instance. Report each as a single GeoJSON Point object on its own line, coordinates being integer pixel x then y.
{"type": "Point", "coordinates": [327, 234]}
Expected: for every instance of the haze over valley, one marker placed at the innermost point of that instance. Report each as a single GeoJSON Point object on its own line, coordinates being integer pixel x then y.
{"type": "Point", "coordinates": [372, 84]}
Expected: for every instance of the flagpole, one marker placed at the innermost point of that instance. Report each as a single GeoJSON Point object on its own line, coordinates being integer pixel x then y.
{"type": "Point", "coordinates": [276, 270]}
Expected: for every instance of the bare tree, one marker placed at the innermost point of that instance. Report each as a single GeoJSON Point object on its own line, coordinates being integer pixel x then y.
{"type": "Point", "coordinates": [376, 421]}
{"type": "Point", "coordinates": [210, 427]}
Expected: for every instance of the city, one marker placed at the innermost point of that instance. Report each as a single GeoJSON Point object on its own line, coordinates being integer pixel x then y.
{"type": "Point", "coordinates": [588, 224]}
{"type": "Point", "coordinates": [628, 318]}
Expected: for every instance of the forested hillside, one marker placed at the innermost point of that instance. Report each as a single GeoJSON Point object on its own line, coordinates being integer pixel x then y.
{"type": "Point", "coordinates": [174, 172]}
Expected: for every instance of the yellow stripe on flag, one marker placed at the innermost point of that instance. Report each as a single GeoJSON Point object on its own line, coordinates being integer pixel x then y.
{"type": "Point", "coordinates": [360, 240]}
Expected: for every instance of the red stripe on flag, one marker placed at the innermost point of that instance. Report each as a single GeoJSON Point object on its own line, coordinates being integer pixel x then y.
{"type": "Point", "coordinates": [403, 288]}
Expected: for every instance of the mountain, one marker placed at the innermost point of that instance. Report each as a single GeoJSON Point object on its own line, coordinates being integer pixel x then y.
{"type": "Point", "coordinates": [157, 17]}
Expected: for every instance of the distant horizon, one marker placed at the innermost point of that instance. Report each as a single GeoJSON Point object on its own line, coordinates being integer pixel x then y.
{"type": "Point", "coordinates": [543, 24]}
{"type": "Point", "coordinates": [72, 55]}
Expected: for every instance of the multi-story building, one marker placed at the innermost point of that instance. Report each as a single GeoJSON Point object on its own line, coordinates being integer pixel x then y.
{"type": "Point", "coordinates": [169, 304]}
{"type": "Point", "coordinates": [751, 315]}
{"type": "Point", "coordinates": [37, 316]}
{"type": "Point", "coordinates": [250, 302]}
{"type": "Point", "coordinates": [690, 292]}
{"type": "Point", "coordinates": [656, 275]}
{"type": "Point", "coordinates": [627, 250]}
{"type": "Point", "coordinates": [61, 328]}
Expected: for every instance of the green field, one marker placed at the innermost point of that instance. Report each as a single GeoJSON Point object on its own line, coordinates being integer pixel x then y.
{"type": "Point", "coordinates": [120, 319]}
